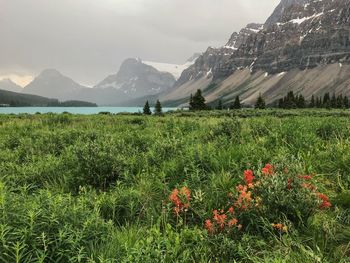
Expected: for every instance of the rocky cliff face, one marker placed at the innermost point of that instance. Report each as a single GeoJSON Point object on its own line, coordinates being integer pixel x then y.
{"type": "Point", "coordinates": [299, 35]}
{"type": "Point", "coordinates": [213, 63]}
{"type": "Point", "coordinates": [307, 34]}
{"type": "Point", "coordinates": [281, 8]}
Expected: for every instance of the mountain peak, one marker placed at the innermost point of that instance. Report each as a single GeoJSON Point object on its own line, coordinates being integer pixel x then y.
{"type": "Point", "coordinates": [50, 73]}
{"type": "Point", "coordinates": [279, 10]}
{"type": "Point", "coordinates": [52, 84]}
{"type": "Point", "coordinates": [9, 85]}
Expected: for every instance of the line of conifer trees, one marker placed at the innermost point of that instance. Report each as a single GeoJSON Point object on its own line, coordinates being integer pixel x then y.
{"type": "Point", "coordinates": [291, 101]}
{"type": "Point", "coordinates": [158, 110]}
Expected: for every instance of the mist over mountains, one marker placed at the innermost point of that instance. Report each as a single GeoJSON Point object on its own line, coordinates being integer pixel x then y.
{"type": "Point", "coordinates": [303, 46]}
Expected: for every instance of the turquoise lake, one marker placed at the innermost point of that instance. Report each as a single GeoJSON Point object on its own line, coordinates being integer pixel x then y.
{"type": "Point", "coordinates": [74, 110]}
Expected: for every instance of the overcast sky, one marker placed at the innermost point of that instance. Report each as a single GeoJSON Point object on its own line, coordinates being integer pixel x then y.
{"type": "Point", "coordinates": [88, 39]}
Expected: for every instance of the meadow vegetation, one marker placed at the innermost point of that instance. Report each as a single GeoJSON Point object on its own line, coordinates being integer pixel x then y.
{"type": "Point", "coordinates": [218, 186]}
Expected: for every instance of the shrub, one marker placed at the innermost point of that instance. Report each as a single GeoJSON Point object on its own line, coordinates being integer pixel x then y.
{"type": "Point", "coordinates": [94, 163]}
{"type": "Point", "coordinates": [231, 129]}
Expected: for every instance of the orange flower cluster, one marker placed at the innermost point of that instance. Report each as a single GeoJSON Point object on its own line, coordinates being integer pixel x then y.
{"type": "Point", "coordinates": [267, 170]}
{"type": "Point", "coordinates": [181, 199]}
{"type": "Point", "coordinates": [280, 227]}
{"type": "Point", "coordinates": [244, 200]}
{"type": "Point", "coordinates": [325, 201]}
{"type": "Point", "coordinates": [221, 221]}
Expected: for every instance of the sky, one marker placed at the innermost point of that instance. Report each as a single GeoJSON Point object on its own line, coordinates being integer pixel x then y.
{"type": "Point", "coordinates": [87, 40]}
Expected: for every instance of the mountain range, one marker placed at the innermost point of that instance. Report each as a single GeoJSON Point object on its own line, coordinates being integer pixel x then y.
{"type": "Point", "coordinates": [135, 82]}
{"type": "Point", "coordinates": [304, 46]}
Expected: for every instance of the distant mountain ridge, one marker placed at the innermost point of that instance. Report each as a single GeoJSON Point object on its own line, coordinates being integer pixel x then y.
{"type": "Point", "coordinates": [9, 85]}
{"type": "Point", "coordinates": [15, 99]}
{"type": "Point", "coordinates": [136, 80]}
{"type": "Point", "coordinates": [52, 84]}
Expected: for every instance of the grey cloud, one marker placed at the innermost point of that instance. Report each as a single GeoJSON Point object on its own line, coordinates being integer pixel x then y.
{"type": "Point", "coordinates": [88, 39]}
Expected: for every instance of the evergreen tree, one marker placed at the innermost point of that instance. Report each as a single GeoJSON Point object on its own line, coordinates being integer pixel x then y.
{"type": "Point", "coordinates": [301, 102]}
{"type": "Point", "coordinates": [326, 101]}
{"type": "Point", "coordinates": [346, 102]}
{"type": "Point", "coordinates": [340, 101]}
{"type": "Point", "coordinates": [260, 103]}
{"type": "Point", "coordinates": [312, 102]}
{"type": "Point", "coordinates": [319, 103]}
{"type": "Point", "coordinates": [191, 101]}
{"type": "Point", "coordinates": [158, 108]}
{"type": "Point", "coordinates": [333, 101]}
{"type": "Point", "coordinates": [237, 104]}
{"type": "Point", "coordinates": [147, 109]}
{"type": "Point", "coordinates": [291, 101]}
{"type": "Point", "coordinates": [281, 103]}
{"type": "Point", "coordinates": [197, 102]}
{"type": "Point", "coordinates": [219, 107]}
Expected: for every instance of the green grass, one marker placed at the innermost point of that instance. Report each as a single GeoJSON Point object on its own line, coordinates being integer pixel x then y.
{"type": "Point", "coordinates": [96, 188]}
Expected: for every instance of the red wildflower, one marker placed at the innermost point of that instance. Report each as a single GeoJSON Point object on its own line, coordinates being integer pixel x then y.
{"type": "Point", "coordinates": [180, 199]}
{"type": "Point", "coordinates": [280, 227]}
{"type": "Point", "coordinates": [268, 169]}
{"type": "Point", "coordinates": [325, 201]}
{"type": "Point", "coordinates": [231, 210]}
{"type": "Point", "coordinates": [174, 197]}
{"type": "Point", "coordinates": [208, 225]}
{"type": "Point", "coordinates": [323, 197]}
{"type": "Point", "coordinates": [325, 205]}
{"type": "Point", "coordinates": [241, 188]}
{"type": "Point", "coordinates": [220, 219]}
{"type": "Point", "coordinates": [232, 222]}
{"type": "Point", "coordinates": [244, 199]}
{"type": "Point", "coordinates": [290, 181]}
{"type": "Point", "coordinates": [305, 177]}
{"type": "Point", "coordinates": [249, 176]}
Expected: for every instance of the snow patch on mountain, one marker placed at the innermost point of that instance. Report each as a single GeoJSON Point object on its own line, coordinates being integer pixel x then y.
{"type": "Point", "coordinates": [173, 69]}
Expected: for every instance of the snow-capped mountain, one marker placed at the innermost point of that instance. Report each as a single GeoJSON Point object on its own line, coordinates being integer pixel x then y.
{"type": "Point", "coordinates": [304, 46]}
{"type": "Point", "coordinates": [137, 79]}
{"type": "Point", "coordinates": [9, 85]}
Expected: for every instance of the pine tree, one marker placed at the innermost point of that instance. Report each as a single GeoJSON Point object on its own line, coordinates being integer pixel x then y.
{"type": "Point", "coordinates": [237, 104]}
{"type": "Point", "coordinates": [197, 102]}
{"type": "Point", "coordinates": [260, 103]}
{"type": "Point", "coordinates": [158, 108]}
{"type": "Point", "coordinates": [340, 101]}
{"type": "Point", "coordinates": [219, 107]}
{"type": "Point", "coordinates": [301, 102]}
{"type": "Point", "coordinates": [281, 103]}
{"type": "Point", "coordinates": [291, 101]}
{"type": "Point", "coordinates": [147, 109]}
{"type": "Point", "coordinates": [319, 103]}
{"type": "Point", "coordinates": [346, 102]}
{"type": "Point", "coordinates": [333, 101]}
{"type": "Point", "coordinates": [191, 102]}
{"type": "Point", "coordinates": [312, 102]}
{"type": "Point", "coordinates": [326, 101]}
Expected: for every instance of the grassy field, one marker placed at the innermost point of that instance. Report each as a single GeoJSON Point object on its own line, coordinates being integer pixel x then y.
{"type": "Point", "coordinates": [245, 186]}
